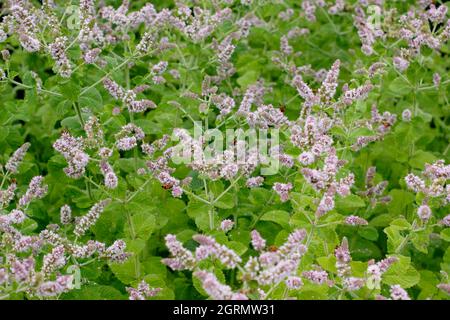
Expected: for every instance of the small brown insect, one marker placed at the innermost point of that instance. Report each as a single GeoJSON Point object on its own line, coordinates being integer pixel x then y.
{"type": "Point", "coordinates": [273, 248]}
{"type": "Point", "coordinates": [244, 291]}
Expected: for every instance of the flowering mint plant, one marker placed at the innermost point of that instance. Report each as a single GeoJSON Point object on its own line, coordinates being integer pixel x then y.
{"type": "Point", "coordinates": [224, 150]}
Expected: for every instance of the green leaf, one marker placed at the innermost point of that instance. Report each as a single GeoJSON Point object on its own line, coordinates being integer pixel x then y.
{"type": "Point", "coordinates": [63, 107]}
{"type": "Point", "coordinates": [395, 239]}
{"type": "Point", "coordinates": [91, 99]}
{"type": "Point", "coordinates": [225, 202]}
{"type": "Point", "coordinates": [420, 240]}
{"type": "Point", "coordinates": [259, 196]}
{"type": "Point", "coordinates": [71, 123]}
{"type": "Point", "coordinates": [301, 201]}
{"type": "Point", "coordinates": [95, 292]}
{"type": "Point", "coordinates": [445, 265]}
{"type": "Point", "coordinates": [362, 249]}
{"type": "Point", "coordinates": [203, 221]}
{"type": "Point", "coordinates": [401, 224]}
{"type": "Point", "coordinates": [368, 233]}
{"type": "Point", "coordinates": [381, 220]}
{"type": "Point", "coordinates": [153, 265]}
{"type": "Point", "coordinates": [328, 263]}
{"type": "Point", "coordinates": [349, 203]}
{"type": "Point", "coordinates": [128, 271]}
{"type": "Point", "coordinates": [128, 164]}
{"type": "Point", "coordinates": [237, 247]}
{"type": "Point", "coordinates": [359, 268]}
{"type": "Point", "coordinates": [109, 226]}
{"type": "Point", "coordinates": [28, 226]}
{"type": "Point", "coordinates": [400, 86]}
{"type": "Point", "coordinates": [142, 225]}
{"type": "Point", "coordinates": [400, 200]}
{"type": "Point", "coordinates": [313, 293]}
{"type": "Point", "coordinates": [196, 208]}
{"type": "Point", "coordinates": [278, 216]}
{"type": "Point", "coordinates": [427, 284]}
{"type": "Point", "coordinates": [248, 78]}
{"type": "Point", "coordinates": [135, 245]}
{"type": "Point", "coordinates": [445, 234]}
{"type": "Point", "coordinates": [420, 158]}
{"type": "Point", "coordinates": [401, 273]}
{"type": "Point", "coordinates": [155, 281]}
{"type": "Point", "coordinates": [70, 90]}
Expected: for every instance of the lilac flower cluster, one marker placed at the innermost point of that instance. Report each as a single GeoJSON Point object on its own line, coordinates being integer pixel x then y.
{"type": "Point", "coordinates": [159, 167]}
{"type": "Point", "coordinates": [128, 137]}
{"type": "Point", "coordinates": [128, 97]}
{"type": "Point", "coordinates": [23, 20]}
{"type": "Point", "coordinates": [181, 258]}
{"type": "Point", "coordinates": [65, 214]}
{"type": "Point", "coordinates": [258, 242]}
{"type": "Point", "coordinates": [319, 119]}
{"type": "Point", "coordinates": [317, 276]}
{"type": "Point", "coordinates": [275, 266]}
{"type": "Point", "coordinates": [343, 258]}
{"type": "Point", "coordinates": [254, 182]}
{"type": "Point", "coordinates": [88, 220]}
{"type": "Point", "coordinates": [94, 133]}
{"type": "Point", "coordinates": [34, 264]}
{"type": "Point", "coordinates": [73, 151]}
{"type": "Point", "coordinates": [270, 268]}
{"type": "Point", "coordinates": [114, 253]}
{"type": "Point", "coordinates": [417, 27]}
{"type": "Point", "coordinates": [432, 184]}
{"type": "Point", "coordinates": [282, 189]}
{"type": "Point", "coordinates": [373, 191]}
{"type": "Point", "coordinates": [381, 124]}
{"type": "Point", "coordinates": [215, 289]}
{"type": "Point", "coordinates": [142, 291]}
{"type": "Point", "coordinates": [210, 248]}
{"type": "Point", "coordinates": [111, 180]}
{"type": "Point", "coordinates": [355, 221]}
{"type": "Point", "coordinates": [344, 277]}
{"type": "Point", "coordinates": [343, 267]}
{"type": "Point", "coordinates": [58, 52]}
{"type": "Point", "coordinates": [376, 270]}
{"type": "Point", "coordinates": [325, 181]}
{"type": "Point", "coordinates": [23, 272]}
{"type": "Point", "coordinates": [226, 225]}
{"type": "Point", "coordinates": [312, 137]}
{"type": "Point", "coordinates": [325, 94]}
{"type": "Point", "coordinates": [398, 293]}
{"type": "Point", "coordinates": [36, 190]}
{"type": "Point", "coordinates": [16, 158]}
{"type": "Point", "coordinates": [235, 160]}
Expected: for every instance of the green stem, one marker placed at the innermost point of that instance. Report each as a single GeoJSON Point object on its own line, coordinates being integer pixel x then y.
{"type": "Point", "coordinates": [226, 190]}
{"type": "Point", "coordinates": [137, 270]}
{"type": "Point", "coordinates": [78, 111]}
{"type": "Point", "coordinates": [406, 239]}
{"type": "Point", "coordinates": [211, 218]}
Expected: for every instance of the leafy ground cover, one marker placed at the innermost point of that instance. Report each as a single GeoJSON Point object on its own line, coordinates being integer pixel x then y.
{"type": "Point", "coordinates": [226, 149]}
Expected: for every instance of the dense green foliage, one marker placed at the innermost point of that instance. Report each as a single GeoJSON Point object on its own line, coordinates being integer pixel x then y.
{"type": "Point", "coordinates": [39, 102]}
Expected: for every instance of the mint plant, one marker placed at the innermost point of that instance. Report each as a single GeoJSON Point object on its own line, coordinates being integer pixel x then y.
{"type": "Point", "coordinates": [224, 149]}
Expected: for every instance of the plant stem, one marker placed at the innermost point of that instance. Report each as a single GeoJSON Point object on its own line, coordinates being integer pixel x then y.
{"type": "Point", "coordinates": [78, 111]}
{"type": "Point", "coordinates": [227, 189]}
{"type": "Point", "coordinates": [211, 218]}
{"type": "Point", "coordinates": [133, 237]}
